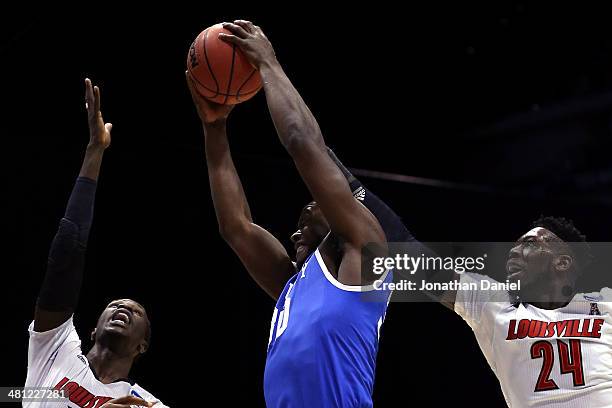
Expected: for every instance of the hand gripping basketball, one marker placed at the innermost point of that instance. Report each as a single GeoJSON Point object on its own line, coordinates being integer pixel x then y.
{"type": "Point", "coordinates": [220, 70]}
{"type": "Point", "coordinates": [251, 40]}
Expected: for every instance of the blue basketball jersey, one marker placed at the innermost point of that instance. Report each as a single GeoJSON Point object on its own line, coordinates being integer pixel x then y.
{"type": "Point", "coordinates": [323, 341]}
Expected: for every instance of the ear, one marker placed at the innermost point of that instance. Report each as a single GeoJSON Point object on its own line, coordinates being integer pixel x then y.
{"type": "Point", "coordinates": [143, 347]}
{"type": "Point", "coordinates": [563, 263]}
{"type": "Point", "coordinates": [93, 336]}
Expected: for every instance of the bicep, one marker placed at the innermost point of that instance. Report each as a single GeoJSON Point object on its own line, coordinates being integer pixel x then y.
{"type": "Point", "coordinates": [45, 320]}
{"type": "Point", "coordinates": [264, 257]}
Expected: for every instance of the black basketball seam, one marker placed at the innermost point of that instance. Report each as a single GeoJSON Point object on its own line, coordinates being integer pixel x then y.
{"type": "Point", "coordinates": [208, 64]}
{"type": "Point", "coordinates": [221, 93]}
{"type": "Point", "coordinates": [231, 73]}
{"type": "Point", "coordinates": [244, 83]}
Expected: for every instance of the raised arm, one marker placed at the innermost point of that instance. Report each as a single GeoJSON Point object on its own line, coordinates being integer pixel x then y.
{"type": "Point", "coordinates": [391, 223]}
{"type": "Point", "coordinates": [299, 133]}
{"type": "Point", "coordinates": [60, 289]}
{"type": "Point", "coordinates": [396, 231]}
{"type": "Point", "coordinates": [261, 253]}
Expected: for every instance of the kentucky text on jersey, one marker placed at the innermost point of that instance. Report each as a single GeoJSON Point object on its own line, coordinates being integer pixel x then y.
{"type": "Point", "coordinates": [565, 328]}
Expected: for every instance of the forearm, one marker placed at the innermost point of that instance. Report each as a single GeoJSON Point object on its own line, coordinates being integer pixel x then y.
{"type": "Point", "coordinates": [299, 133]}
{"type": "Point", "coordinates": [229, 199]}
{"type": "Point", "coordinates": [292, 118]}
{"type": "Point", "coordinates": [391, 223]}
{"type": "Point", "coordinates": [62, 283]}
{"type": "Point", "coordinates": [92, 162]}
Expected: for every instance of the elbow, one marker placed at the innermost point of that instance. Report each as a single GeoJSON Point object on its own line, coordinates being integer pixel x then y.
{"type": "Point", "coordinates": [225, 231]}
{"type": "Point", "coordinates": [65, 244]}
{"type": "Point", "coordinates": [230, 231]}
{"type": "Point", "coordinates": [302, 139]}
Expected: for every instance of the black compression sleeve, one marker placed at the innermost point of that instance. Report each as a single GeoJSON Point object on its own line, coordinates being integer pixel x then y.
{"type": "Point", "coordinates": [392, 225]}
{"type": "Point", "coordinates": [62, 283]}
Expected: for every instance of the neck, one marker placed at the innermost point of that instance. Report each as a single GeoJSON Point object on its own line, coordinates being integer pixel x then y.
{"type": "Point", "coordinates": [109, 365]}
{"type": "Point", "coordinates": [553, 297]}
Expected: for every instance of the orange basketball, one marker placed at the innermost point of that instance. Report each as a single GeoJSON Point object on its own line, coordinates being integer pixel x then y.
{"type": "Point", "coordinates": [220, 71]}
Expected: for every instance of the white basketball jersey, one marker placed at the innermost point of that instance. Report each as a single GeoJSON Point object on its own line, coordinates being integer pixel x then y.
{"type": "Point", "coordinates": [558, 358]}
{"type": "Point", "coordinates": [55, 360]}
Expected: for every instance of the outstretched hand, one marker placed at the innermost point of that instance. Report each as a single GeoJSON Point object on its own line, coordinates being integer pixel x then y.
{"type": "Point", "coordinates": [99, 132]}
{"type": "Point", "coordinates": [209, 112]}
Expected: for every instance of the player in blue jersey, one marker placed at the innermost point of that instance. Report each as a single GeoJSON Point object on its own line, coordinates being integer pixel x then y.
{"type": "Point", "coordinates": [324, 336]}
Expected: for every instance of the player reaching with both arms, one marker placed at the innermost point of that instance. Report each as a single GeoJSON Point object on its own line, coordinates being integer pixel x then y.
{"type": "Point", "coordinates": [324, 336]}
{"type": "Point", "coordinates": [98, 379]}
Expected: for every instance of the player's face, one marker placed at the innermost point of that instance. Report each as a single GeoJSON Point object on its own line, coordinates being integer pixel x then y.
{"type": "Point", "coordinates": [125, 318]}
{"type": "Point", "coordinates": [312, 228]}
{"type": "Point", "coordinates": [530, 261]}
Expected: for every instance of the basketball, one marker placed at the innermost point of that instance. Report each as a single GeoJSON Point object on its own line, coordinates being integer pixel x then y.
{"type": "Point", "coordinates": [220, 71]}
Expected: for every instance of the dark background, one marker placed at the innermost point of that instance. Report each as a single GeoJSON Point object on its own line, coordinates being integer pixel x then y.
{"type": "Point", "coordinates": [510, 102]}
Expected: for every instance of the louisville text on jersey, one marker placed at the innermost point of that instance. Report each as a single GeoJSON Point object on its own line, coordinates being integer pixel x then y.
{"type": "Point", "coordinates": [79, 395]}
{"type": "Point", "coordinates": [565, 328]}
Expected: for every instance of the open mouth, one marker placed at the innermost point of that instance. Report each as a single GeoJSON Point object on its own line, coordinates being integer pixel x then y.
{"type": "Point", "coordinates": [513, 268]}
{"type": "Point", "coordinates": [121, 318]}
{"type": "Point", "coordinates": [299, 245]}
{"type": "Point", "coordinates": [300, 249]}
